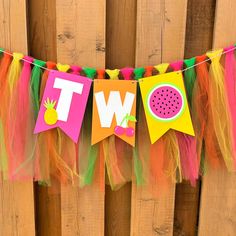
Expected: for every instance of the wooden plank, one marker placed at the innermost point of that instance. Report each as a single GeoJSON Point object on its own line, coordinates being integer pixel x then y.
{"type": "Point", "coordinates": [16, 199]}
{"type": "Point", "coordinates": [81, 41]}
{"type": "Point", "coordinates": [199, 31]}
{"type": "Point", "coordinates": [160, 38]}
{"type": "Point", "coordinates": [217, 209]}
{"type": "Point", "coordinates": [42, 45]}
{"type": "Point", "coordinates": [120, 52]}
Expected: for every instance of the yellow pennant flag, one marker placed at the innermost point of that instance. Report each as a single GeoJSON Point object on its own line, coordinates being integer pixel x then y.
{"type": "Point", "coordinates": [165, 104]}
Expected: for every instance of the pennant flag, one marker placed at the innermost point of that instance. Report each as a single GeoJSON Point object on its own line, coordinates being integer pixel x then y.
{"type": "Point", "coordinates": [114, 109]}
{"type": "Point", "coordinates": [165, 104]}
{"type": "Point", "coordinates": [63, 104]}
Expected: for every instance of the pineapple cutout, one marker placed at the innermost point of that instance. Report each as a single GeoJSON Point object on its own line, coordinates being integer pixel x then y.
{"type": "Point", "coordinates": [50, 115]}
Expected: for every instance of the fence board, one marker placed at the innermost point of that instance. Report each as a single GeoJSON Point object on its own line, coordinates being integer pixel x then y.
{"type": "Point", "coordinates": [199, 30]}
{"type": "Point", "coordinates": [81, 41]}
{"type": "Point", "coordinates": [119, 53]}
{"type": "Point", "coordinates": [160, 38]}
{"type": "Point", "coordinates": [217, 211]}
{"type": "Point", "coordinates": [42, 45]}
{"type": "Point", "coordinates": [16, 199]}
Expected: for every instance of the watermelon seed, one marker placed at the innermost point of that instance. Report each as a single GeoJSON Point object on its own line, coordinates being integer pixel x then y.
{"type": "Point", "coordinates": [170, 91]}
{"type": "Point", "coordinates": [160, 106]}
{"type": "Point", "coordinates": [170, 96]}
{"type": "Point", "coordinates": [164, 113]}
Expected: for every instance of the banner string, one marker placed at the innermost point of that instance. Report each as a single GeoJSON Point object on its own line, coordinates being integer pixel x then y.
{"type": "Point", "coordinates": [183, 70]}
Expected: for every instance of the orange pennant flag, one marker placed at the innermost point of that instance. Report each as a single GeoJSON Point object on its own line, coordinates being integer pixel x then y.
{"type": "Point", "coordinates": [114, 110]}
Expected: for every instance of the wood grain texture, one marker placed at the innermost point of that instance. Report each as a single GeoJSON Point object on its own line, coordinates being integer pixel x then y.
{"type": "Point", "coordinates": [199, 31]}
{"type": "Point", "coordinates": [81, 41]}
{"type": "Point", "coordinates": [42, 45]}
{"type": "Point", "coordinates": [217, 209]}
{"type": "Point", "coordinates": [42, 29]}
{"type": "Point", "coordinates": [16, 199]}
{"type": "Point", "coordinates": [120, 41]}
{"type": "Point", "coordinates": [199, 28]}
{"type": "Point", "coordinates": [120, 33]}
{"type": "Point", "coordinates": [81, 32]}
{"type": "Point", "coordinates": [160, 38]}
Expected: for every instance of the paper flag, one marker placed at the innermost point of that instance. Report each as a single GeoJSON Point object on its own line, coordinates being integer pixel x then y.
{"type": "Point", "coordinates": [63, 104]}
{"type": "Point", "coordinates": [165, 104]}
{"type": "Point", "coordinates": [114, 109]}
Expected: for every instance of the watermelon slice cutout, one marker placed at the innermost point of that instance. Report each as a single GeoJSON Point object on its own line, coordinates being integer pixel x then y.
{"type": "Point", "coordinates": [165, 102]}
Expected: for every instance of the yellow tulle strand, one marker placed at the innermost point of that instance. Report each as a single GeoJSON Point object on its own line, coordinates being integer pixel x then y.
{"type": "Point", "coordinates": [162, 68]}
{"type": "Point", "coordinates": [113, 74]}
{"type": "Point", "coordinates": [219, 110]}
{"type": "Point", "coordinates": [172, 164]}
{"type": "Point", "coordinates": [14, 70]}
{"type": "Point", "coordinates": [63, 67]}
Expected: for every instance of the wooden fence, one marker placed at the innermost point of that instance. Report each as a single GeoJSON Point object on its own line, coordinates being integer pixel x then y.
{"type": "Point", "coordinates": [115, 34]}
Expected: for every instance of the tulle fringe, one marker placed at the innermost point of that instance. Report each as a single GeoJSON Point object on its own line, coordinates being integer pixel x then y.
{"type": "Point", "coordinates": [175, 156]}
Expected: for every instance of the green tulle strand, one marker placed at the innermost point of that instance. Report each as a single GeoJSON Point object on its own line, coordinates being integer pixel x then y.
{"type": "Point", "coordinates": [90, 72]}
{"type": "Point", "coordinates": [35, 84]}
{"type": "Point", "coordinates": [138, 167]}
{"type": "Point", "coordinates": [138, 73]}
{"type": "Point", "coordinates": [87, 154]}
{"type": "Point", "coordinates": [4, 156]}
{"type": "Point", "coordinates": [189, 78]}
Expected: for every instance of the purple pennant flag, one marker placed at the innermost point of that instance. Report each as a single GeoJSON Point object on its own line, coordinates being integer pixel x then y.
{"type": "Point", "coordinates": [63, 104]}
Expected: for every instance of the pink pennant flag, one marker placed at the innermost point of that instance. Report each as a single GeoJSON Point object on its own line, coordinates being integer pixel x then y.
{"type": "Point", "coordinates": [63, 104]}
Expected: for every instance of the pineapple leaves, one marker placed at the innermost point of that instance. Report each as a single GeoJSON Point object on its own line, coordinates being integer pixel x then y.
{"type": "Point", "coordinates": [49, 104]}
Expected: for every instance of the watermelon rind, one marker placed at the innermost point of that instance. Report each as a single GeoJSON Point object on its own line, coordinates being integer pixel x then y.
{"type": "Point", "coordinates": [160, 118]}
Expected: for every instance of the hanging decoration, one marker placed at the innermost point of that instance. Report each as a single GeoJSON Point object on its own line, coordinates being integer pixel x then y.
{"type": "Point", "coordinates": [183, 124]}
{"type": "Point", "coordinates": [114, 108]}
{"type": "Point", "coordinates": [63, 104]}
{"type": "Point", "coordinates": [165, 104]}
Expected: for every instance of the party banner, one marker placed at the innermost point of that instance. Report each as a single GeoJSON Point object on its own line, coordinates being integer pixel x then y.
{"type": "Point", "coordinates": [114, 109]}
{"type": "Point", "coordinates": [63, 104]}
{"type": "Point", "coordinates": [165, 104]}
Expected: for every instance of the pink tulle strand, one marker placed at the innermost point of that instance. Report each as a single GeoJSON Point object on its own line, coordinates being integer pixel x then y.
{"type": "Point", "coordinates": [187, 147]}
{"type": "Point", "coordinates": [176, 66]}
{"type": "Point", "coordinates": [127, 73]}
{"type": "Point", "coordinates": [188, 157]}
{"type": "Point", "coordinates": [230, 83]}
{"type": "Point", "coordinates": [21, 139]}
